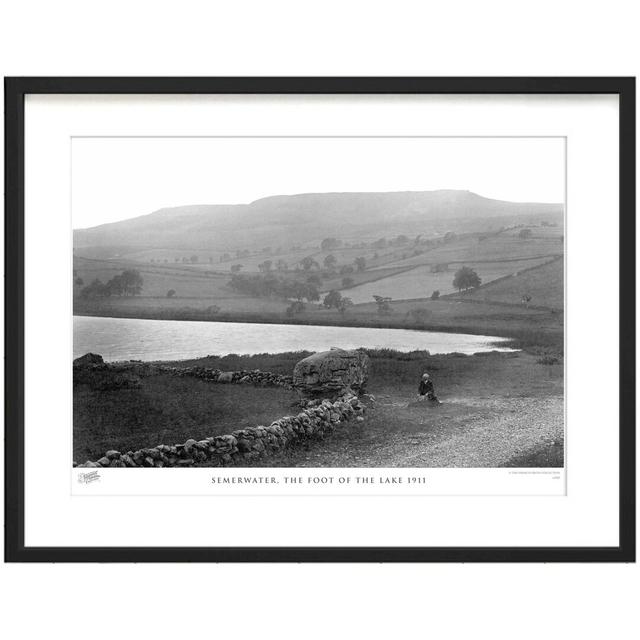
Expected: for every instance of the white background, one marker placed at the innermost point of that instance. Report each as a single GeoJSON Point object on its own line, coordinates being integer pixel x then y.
{"type": "Point", "coordinates": [586, 516]}
{"type": "Point", "coordinates": [330, 38]}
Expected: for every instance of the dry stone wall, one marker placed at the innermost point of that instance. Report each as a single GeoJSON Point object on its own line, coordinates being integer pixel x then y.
{"type": "Point", "coordinates": [244, 445]}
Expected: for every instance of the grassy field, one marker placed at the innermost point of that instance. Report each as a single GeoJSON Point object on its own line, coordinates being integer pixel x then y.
{"type": "Point", "coordinates": [167, 410]}
{"type": "Point", "coordinates": [498, 410]}
{"type": "Point", "coordinates": [202, 291]}
{"type": "Point", "coordinates": [545, 285]}
{"type": "Point", "coordinates": [420, 282]}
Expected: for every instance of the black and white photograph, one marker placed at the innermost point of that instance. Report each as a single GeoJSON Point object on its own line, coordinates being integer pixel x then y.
{"type": "Point", "coordinates": [338, 302]}
{"type": "Point", "coordinates": [324, 301]}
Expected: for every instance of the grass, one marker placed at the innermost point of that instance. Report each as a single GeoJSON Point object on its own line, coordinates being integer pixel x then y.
{"type": "Point", "coordinates": [545, 285]}
{"type": "Point", "coordinates": [168, 410]}
{"type": "Point", "coordinates": [420, 282]}
{"type": "Point", "coordinates": [487, 400]}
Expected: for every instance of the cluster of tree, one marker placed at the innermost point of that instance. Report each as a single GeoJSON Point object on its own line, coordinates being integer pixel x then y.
{"type": "Point", "coordinates": [525, 234]}
{"type": "Point", "coordinates": [192, 259]}
{"type": "Point", "coordinates": [271, 285]}
{"type": "Point", "coordinates": [335, 300]}
{"type": "Point", "coordinates": [128, 283]}
{"type": "Point", "coordinates": [466, 278]}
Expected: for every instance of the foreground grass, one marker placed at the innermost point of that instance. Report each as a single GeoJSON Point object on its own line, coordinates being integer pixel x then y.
{"type": "Point", "coordinates": [499, 409]}
{"type": "Point", "coordinates": [168, 410]}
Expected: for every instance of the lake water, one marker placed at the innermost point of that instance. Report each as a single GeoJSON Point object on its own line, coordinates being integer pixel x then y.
{"type": "Point", "coordinates": [132, 339]}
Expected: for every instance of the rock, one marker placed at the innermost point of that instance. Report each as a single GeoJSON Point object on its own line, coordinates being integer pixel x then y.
{"type": "Point", "coordinates": [104, 461]}
{"type": "Point", "coordinates": [113, 455]}
{"type": "Point", "coordinates": [128, 461]}
{"type": "Point", "coordinates": [226, 377]}
{"type": "Point", "coordinates": [359, 419]}
{"type": "Point", "coordinates": [330, 374]}
{"type": "Point", "coordinates": [88, 359]}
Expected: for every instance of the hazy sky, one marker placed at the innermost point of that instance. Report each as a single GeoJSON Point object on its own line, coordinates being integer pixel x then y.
{"type": "Point", "coordinates": [118, 178]}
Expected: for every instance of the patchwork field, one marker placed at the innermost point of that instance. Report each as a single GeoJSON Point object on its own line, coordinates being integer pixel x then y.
{"type": "Point", "coordinates": [509, 266]}
{"type": "Point", "coordinates": [420, 282]}
{"type": "Point", "coordinates": [544, 284]}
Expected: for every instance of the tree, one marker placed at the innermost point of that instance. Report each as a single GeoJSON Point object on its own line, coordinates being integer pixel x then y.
{"type": "Point", "coordinates": [194, 259]}
{"type": "Point", "coordinates": [344, 304]}
{"type": "Point", "coordinates": [79, 281]}
{"type": "Point", "coordinates": [450, 236]}
{"type": "Point", "coordinates": [332, 299]}
{"type": "Point", "coordinates": [402, 239]}
{"type": "Point", "coordinates": [466, 278]}
{"type": "Point", "coordinates": [314, 278]}
{"type": "Point", "coordinates": [132, 282]}
{"type": "Point", "coordinates": [265, 266]}
{"type": "Point", "coordinates": [171, 293]}
{"type": "Point", "coordinates": [330, 261]}
{"type": "Point", "coordinates": [235, 268]}
{"type": "Point", "coordinates": [329, 244]}
{"type": "Point", "coordinates": [308, 262]}
{"type": "Point", "coordinates": [524, 234]}
{"type": "Point", "coordinates": [383, 303]}
{"type": "Point", "coordinates": [347, 282]}
{"type": "Point", "coordinates": [360, 263]}
{"type": "Point", "coordinates": [281, 265]}
{"type": "Point", "coordinates": [346, 268]}
{"type": "Point", "coordinates": [435, 295]}
{"type": "Point", "coordinates": [97, 289]}
{"type": "Point", "coordinates": [380, 244]}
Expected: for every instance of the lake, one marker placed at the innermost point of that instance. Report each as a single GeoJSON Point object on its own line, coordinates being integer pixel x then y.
{"type": "Point", "coordinates": [133, 339]}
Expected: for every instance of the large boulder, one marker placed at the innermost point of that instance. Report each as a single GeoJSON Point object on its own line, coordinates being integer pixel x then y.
{"type": "Point", "coordinates": [328, 374]}
{"type": "Point", "coordinates": [88, 359]}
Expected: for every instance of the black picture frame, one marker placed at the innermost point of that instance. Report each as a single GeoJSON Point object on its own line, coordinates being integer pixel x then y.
{"type": "Point", "coordinates": [15, 91]}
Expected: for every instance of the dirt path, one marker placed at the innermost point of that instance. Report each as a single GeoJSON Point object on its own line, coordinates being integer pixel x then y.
{"type": "Point", "coordinates": [499, 411]}
{"type": "Point", "coordinates": [476, 433]}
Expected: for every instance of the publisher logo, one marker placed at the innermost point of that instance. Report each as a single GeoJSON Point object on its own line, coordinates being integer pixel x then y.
{"type": "Point", "coordinates": [88, 477]}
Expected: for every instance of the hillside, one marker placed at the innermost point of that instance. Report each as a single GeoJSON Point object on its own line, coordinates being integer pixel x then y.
{"type": "Point", "coordinates": [306, 218]}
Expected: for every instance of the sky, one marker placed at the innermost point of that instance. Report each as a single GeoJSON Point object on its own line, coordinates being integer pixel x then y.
{"type": "Point", "coordinates": [117, 178]}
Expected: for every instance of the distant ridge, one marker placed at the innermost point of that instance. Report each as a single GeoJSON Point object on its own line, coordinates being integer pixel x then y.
{"type": "Point", "coordinates": [304, 217]}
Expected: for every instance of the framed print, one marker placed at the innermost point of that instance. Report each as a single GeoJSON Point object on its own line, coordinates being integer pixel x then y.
{"type": "Point", "coordinates": [320, 319]}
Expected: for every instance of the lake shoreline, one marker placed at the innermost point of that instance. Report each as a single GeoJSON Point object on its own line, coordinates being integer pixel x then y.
{"type": "Point", "coordinates": [153, 340]}
{"type": "Point", "coordinates": [520, 338]}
